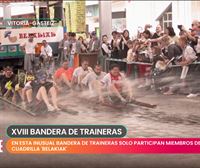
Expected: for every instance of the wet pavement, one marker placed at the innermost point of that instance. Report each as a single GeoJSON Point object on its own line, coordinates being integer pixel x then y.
{"type": "Point", "coordinates": [175, 116]}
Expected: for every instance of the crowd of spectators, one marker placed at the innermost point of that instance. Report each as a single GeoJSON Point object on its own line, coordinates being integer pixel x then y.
{"type": "Point", "coordinates": [151, 52]}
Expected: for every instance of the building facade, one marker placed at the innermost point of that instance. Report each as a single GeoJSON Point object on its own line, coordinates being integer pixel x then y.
{"type": "Point", "coordinates": [165, 13]}
{"type": "Point", "coordinates": [134, 14]}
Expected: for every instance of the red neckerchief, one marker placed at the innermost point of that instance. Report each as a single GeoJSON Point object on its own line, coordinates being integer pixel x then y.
{"type": "Point", "coordinates": [115, 79]}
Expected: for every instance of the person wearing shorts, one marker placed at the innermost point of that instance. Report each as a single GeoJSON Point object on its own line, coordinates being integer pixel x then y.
{"type": "Point", "coordinates": [37, 93]}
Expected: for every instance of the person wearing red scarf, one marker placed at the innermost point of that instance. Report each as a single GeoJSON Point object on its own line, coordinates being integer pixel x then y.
{"type": "Point", "coordinates": [117, 84]}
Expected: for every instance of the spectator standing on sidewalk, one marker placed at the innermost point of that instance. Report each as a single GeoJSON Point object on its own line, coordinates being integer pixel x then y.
{"type": "Point", "coordinates": [29, 50]}
{"type": "Point", "coordinates": [83, 45]}
{"type": "Point", "coordinates": [62, 48]}
{"type": "Point", "coordinates": [123, 48]}
{"type": "Point", "coordinates": [94, 43]}
{"type": "Point", "coordinates": [106, 49]}
{"type": "Point", "coordinates": [74, 50]}
{"type": "Point", "coordinates": [115, 45]}
{"type": "Point", "coordinates": [47, 59]}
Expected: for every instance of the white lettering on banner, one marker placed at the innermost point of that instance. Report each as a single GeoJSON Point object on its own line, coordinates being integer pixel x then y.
{"type": "Point", "coordinates": [18, 36]}
{"type": "Point", "coordinates": [29, 23]}
{"type": "Point", "coordinates": [18, 23]}
{"type": "Point", "coordinates": [1, 146]}
{"type": "Point", "coordinates": [9, 23]}
{"type": "Point", "coordinates": [43, 23]}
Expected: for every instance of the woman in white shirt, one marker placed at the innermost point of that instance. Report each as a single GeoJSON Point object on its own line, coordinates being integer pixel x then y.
{"type": "Point", "coordinates": [188, 56]}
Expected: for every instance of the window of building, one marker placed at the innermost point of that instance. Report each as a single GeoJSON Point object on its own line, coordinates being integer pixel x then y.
{"type": "Point", "coordinates": [165, 19]}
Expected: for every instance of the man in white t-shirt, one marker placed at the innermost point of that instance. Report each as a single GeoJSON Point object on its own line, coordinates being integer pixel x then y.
{"type": "Point", "coordinates": [46, 56]}
{"type": "Point", "coordinates": [117, 85]}
{"type": "Point", "coordinates": [46, 50]}
{"type": "Point", "coordinates": [29, 50]}
{"type": "Point", "coordinates": [93, 80]}
{"type": "Point", "coordinates": [80, 72]}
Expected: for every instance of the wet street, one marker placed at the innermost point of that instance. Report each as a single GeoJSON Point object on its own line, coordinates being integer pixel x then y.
{"type": "Point", "coordinates": [174, 116]}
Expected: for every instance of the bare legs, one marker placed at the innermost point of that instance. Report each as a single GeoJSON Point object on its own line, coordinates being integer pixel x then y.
{"type": "Point", "coordinates": [53, 94]}
{"type": "Point", "coordinates": [42, 96]}
{"type": "Point", "coordinates": [64, 80]}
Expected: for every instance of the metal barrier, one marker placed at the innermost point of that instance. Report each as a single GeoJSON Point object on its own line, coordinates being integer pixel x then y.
{"type": "Point", "coordinates": [140, 63]}
{"type": "Point", "coordinates": [107, 65]}
{"type": "Point", "coordinates": [124, 61]}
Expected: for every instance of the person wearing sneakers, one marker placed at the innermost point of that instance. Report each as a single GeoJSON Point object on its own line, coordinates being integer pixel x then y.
{"type": "Point", "coordinates": [194, 93]}
{"type": "Point", "coordinates": [37, 93]}
{"type": "Point", "coordinates": [117, 85]}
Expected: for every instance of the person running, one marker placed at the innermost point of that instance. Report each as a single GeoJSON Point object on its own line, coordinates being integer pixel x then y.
{"type": "Point", "coordinates": [63, 75]}
{"type": "Point", "coordinates": [117, 85]}
{"type": "Point", "coordinates": [93, 80]}
{"type": "Point", "coordinates": [80, 72]}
